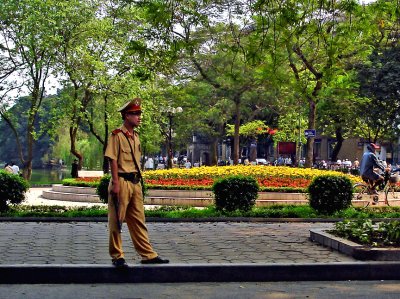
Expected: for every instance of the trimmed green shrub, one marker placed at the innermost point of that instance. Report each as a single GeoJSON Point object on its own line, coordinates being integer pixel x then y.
{"type": "Point", "coordinates": [12, 190]}
{"type": "Point", "coordinates": [328, 194]}
{"type": "Point", "coordinates": [80, 183]}
{"type": "Point", "coordinates": [235, 193]}
{"type": "Point", "coordinates": [102, 188]}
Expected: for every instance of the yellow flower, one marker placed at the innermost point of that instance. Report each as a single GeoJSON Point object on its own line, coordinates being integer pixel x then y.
{"type": "Point", "coordinates": [254, 171]}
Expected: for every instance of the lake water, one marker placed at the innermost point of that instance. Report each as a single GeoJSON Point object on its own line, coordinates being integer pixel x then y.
{"type": "Point", "coordinates": [49, 176]}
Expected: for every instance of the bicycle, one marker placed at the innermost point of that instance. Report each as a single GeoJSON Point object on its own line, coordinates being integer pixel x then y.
{"type": "Point", "coordinates": [365, 188]}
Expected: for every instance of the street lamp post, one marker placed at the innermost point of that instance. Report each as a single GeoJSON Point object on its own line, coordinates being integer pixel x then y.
{"type": "Point", "coordinates": [171, 111]}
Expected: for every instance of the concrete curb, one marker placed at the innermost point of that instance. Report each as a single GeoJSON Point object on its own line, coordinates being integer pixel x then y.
{"type": "Point", "coordinates": [85, 273]}
{"type": "Point", "coordinates": [358, 251]}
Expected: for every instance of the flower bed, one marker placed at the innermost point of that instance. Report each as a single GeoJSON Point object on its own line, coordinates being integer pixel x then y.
{"type": "Point", "coordinates": [270, 178]}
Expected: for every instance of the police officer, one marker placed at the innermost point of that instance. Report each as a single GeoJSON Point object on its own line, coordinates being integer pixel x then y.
{"type": "Point", "coordinates": [123, 151]}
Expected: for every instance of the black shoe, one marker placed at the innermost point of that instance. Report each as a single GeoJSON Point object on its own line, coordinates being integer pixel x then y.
{"type": "Point", "coordinates": [156, 260]}
{"type": "Point", "coordinates": [120, 263]}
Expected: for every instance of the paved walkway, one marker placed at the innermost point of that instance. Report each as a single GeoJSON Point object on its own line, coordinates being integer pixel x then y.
{"type": "Point", "coordinates": [77, 252]}
{"type": "Point", "coordinates": [86, 243]}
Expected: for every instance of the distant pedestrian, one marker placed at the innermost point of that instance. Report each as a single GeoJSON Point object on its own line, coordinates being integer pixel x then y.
{"type": "Point", "coordinates": [74, 168]}
{"type": "Point", "coordinates": [149, 164]}
{"type": "Point", "coordinates": [347, 163]}
{"type": "Point", "coordinates": [8, 168]}
{"type": "Point", "coordinates": [15, 168]}
{"type": "Point", "coordinates": [356, 163]}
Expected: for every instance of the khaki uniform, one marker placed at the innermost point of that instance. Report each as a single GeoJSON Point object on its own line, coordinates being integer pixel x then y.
{"type": "Point", "coordinates": [130, 197]}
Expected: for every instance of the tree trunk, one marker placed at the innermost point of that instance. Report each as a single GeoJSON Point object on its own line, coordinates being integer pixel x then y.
{"type": "Point", "coordinates": [169, 153]}
{"type": "Point", "coordinates": [72, 134]}
{"type": "Point", "coordinates": [310, 141]}
{"type": "Point", "coordinates": [106, 164]}
{"type": "Point", "coordinates": [27, 171]}
{"type": "Point", "coordinates": [236, 137]}
{"type": "Point", "coordinates": [214, 152]}
{"type": "Point", "coordinates": [338, 145]}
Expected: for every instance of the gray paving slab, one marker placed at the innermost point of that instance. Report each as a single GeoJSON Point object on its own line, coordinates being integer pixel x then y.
{"type": "Point", "coordinates": [185, 243]}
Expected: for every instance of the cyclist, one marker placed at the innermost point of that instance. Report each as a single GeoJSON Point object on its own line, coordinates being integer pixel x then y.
{"type": "Point", "coordinates": [368, 163]}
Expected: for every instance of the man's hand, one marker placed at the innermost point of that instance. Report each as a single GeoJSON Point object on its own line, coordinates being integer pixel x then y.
{"type": "Point", "coordinates": [115, 188]}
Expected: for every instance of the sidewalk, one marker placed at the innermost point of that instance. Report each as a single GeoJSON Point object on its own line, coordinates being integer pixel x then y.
{"type": "Point", "coordinates": [33, 197]}
{"type": "Point", "coordinates": [73, 252]}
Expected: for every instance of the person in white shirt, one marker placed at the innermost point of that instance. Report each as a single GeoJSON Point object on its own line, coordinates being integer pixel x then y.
{"type": "Point", "coordinates": [347, 163]}
{"type": "Point", "coordinates": [15, 168]}
{"type": "Point", "coordinates": [149, 163]}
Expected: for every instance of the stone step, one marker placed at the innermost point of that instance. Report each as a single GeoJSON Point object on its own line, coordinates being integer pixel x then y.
{"type": "Point", "coordinates": [64, 196]}
{"type": "Point", "coordinates": [73, 189]}
{"type": "Point", "coordinates": [159, 200]}
{"type": "Point", "coordinates": [196, 198]}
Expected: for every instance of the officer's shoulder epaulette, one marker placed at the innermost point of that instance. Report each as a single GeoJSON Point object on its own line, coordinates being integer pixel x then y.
{"type": "Point", "coordinates": [116, 131]}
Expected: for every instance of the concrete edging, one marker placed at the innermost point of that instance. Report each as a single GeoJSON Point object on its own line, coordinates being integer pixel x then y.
{"type": "Point", "coordinates": [359, 252]}
{"type": "Point", "coordinates": [85, 273]}
{"type": "Point", "coordinates": [196, 198]}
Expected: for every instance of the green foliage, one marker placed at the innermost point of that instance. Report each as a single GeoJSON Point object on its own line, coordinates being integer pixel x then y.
{"type": "Point", "coordinates": [379, 80]}
{"type": "Point", "coordinates": [235, 193]}
{"type": "Point", "coordinates": [102, 188]}
{"type": "Point", "coordinates": [12, 190]}
{"type": "Point", "coordinates": [56, 211]}
{"type": "Point", "coordinates": [275, 211]}
{"type": "Point", "coordinates": [365, 232]}
{"type": "Point", "coordinates": [328, 194]}
{"type": "Point", "coordinates": [289, 125]}
{"type": "Point", "coordinates": [78, 183]}
{"type": "Point", "coordinates": [251, 129]}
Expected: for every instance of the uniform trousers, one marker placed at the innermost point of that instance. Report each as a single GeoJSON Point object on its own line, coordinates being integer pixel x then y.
{"type": "Point", "coordinates": [131, 210]}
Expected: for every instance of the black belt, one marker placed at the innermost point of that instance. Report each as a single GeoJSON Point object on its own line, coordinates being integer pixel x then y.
{"type": "Point", "coordinates": [133, 177]}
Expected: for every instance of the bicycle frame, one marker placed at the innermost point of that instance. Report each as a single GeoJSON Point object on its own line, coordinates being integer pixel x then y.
{"type": "Point", "coordinates": [365, 188]}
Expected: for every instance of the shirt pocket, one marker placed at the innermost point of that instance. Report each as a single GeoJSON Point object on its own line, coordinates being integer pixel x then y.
{"type": "Point", "coordinates": [126, 153]}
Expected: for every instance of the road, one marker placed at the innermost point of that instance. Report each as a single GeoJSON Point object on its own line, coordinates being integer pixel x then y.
{"type": "Point", "coordinates": [278, 290]}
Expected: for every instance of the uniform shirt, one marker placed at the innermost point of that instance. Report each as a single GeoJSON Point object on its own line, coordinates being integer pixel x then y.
{"type": "Point", "coordinates": [118, 149]}
{"type": "Point", "coordinates": [368, 162]}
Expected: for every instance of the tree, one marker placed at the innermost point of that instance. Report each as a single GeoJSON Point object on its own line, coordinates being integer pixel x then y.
{"type": "Point", "coordinates": [319, 37]}
{"type": "Point", "coordinates": [339, 110]}
{"type": "Point", "coordinates": [206, 41]}
{"type": "Point", "coordinates": [29, 36]}
{"type": "Point", "coordinates": [379, 82]}
{"type": "Point", "coordinates": [378, 75]}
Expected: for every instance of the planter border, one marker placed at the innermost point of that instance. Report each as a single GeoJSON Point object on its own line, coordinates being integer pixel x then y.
{"type": "Point", "coordinates": [359, 252]}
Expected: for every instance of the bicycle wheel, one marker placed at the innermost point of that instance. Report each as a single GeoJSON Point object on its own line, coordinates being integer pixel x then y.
{"type": "Point", "coordinates": [361, 189]}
